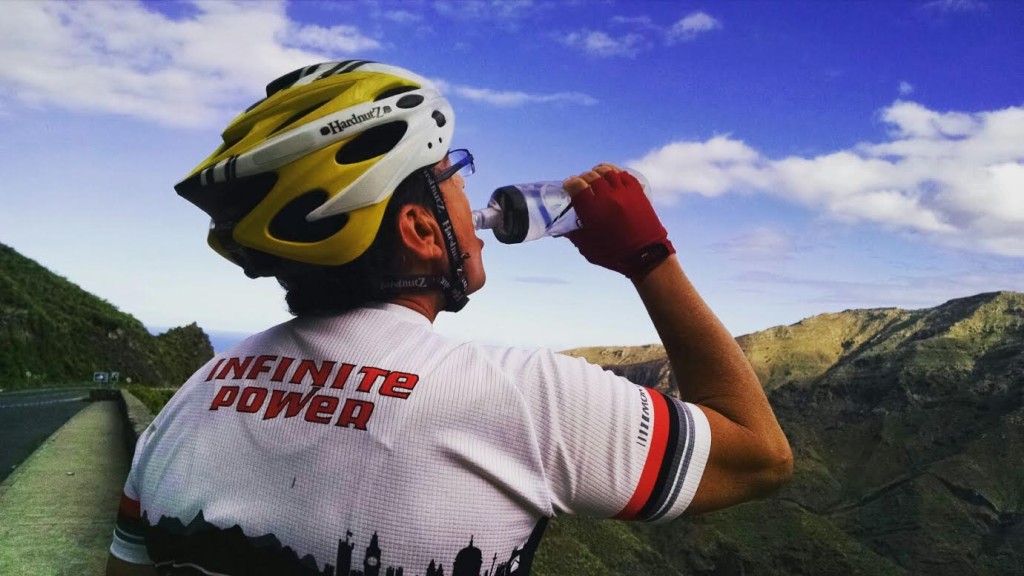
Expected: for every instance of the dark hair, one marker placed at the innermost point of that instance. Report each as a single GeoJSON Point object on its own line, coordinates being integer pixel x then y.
{"type": "Point", "coordinates": [322, 290]}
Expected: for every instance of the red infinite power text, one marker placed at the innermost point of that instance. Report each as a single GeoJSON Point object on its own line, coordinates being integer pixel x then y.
{"type": "Point", "coordinates": [314, 404]}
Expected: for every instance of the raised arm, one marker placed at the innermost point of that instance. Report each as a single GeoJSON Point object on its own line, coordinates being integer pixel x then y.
{"type": "Point", "coordinates": [750, 456]}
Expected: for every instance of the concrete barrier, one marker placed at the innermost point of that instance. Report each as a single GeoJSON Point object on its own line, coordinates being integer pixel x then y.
{"type": "Point", "coordinates": [136, 418]}
{"type": "Point", "coordinates": [101, 394]}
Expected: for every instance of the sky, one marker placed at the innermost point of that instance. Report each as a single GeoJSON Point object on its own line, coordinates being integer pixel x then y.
{"type": "Point", "coordinates": [805, 157]}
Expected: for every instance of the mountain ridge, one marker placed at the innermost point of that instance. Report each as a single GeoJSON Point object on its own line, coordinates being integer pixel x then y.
{"type": "Point", "coordinates": [906, 425]}
{"type": "Point", "coordinates": [52, 331]}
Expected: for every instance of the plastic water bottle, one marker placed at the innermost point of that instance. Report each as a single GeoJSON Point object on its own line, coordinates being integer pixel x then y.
{"type": "Point", "coordinates": [524, 212]}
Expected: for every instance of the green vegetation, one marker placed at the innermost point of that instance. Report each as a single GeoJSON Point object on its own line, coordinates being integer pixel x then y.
{"type": "Point", "coordinates": [154, 398]}
{"type": "Point", "coordinates": [907, 427]}
{"type": "Point", "coordinates": [52, 332]}
{"type": "Point", "coordinates": [597, 547]}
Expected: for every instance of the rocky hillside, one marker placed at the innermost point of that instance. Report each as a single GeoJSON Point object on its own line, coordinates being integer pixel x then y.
{"type": "Point", "coordinates": [908, 431]}
{"type": "Point", "coordinates": [52, 331]}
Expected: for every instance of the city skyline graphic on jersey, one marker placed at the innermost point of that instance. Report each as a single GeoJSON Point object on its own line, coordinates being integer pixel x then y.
{"type": "Point", "coordinates": [173, 546]}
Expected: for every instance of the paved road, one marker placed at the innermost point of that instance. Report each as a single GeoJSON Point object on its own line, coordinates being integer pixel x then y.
{"type": "Point", "coordinates": [57, 509]}
{"type": "Point", "coordinates": [28, 418]}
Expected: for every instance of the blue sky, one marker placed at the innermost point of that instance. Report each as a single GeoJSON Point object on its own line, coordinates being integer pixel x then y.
{"type": "Point", "coordinates": [806, 157]}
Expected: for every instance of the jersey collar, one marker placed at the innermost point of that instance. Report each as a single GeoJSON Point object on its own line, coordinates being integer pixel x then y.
{"type": "Point", "coordinates": [402, 312]}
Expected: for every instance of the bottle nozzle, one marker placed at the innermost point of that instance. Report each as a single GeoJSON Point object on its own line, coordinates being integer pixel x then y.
{"type": "Point", "coordinates": [486, 218]}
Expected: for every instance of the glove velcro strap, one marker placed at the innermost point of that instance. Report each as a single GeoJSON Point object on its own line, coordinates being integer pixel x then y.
{"type": "Point", "coordinates": [640, 263]}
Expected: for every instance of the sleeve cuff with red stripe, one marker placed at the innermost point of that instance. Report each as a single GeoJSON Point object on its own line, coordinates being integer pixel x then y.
{"type": "Point", "coordinates": [679, 443]}
{"type": "Point", "coordinates": [129, 542]}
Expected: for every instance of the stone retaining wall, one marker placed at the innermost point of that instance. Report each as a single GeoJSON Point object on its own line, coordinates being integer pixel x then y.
{"type": "Point", "coordinates": [136, 418]}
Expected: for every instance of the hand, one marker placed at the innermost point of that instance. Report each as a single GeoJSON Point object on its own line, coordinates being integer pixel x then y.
{"type": "Point", "coordinates": [620, 230]}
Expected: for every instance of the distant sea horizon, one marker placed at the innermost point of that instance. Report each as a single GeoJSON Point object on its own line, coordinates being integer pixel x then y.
{"type": "Point", "coordinates": [221, 340]}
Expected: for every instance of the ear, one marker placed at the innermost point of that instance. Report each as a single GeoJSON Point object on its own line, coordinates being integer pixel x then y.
{"type": "Point", "coordinates": [419, 232]}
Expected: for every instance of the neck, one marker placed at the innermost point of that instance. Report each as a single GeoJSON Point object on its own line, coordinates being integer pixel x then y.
{"type": "Point", "coordinates": [426, 303]}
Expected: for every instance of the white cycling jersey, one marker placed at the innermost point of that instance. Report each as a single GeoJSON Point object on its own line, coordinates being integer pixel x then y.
{"type": "Point", "coordinates": [367, 444]}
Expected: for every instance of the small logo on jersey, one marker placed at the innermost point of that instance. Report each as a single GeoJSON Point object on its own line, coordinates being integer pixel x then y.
{"type": "Point", "coordinates": [644, 435]}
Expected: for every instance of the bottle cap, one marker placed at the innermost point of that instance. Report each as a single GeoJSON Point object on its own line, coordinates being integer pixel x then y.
{"type": "Point", "coordinates": [486, 218]}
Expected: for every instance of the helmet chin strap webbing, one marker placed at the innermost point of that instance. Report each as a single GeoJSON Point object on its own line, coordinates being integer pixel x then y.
{"type": "Point", "coordinates": [454, 284]}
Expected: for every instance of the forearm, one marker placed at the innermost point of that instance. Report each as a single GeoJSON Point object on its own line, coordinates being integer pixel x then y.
{"type": "Point", "coordinates": [710, 368]}
{"type": "Point", "coordinates": [749, 455]}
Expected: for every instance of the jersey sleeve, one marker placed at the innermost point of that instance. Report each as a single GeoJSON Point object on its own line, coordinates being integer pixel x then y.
{"type": "Point", "coordinates": [611, 448]}
{"type": "Point", "coordinates": [129, 543]}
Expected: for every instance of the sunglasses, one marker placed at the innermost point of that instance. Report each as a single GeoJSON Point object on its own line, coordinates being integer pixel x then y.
{"type": "Point", "coordinates": [460, 162]}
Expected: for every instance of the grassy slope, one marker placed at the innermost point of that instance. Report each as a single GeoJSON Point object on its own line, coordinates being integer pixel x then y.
{"type": "Point", "coordinates": [52, 331]}
{"type": "Point", "coordinates": [907, 426]}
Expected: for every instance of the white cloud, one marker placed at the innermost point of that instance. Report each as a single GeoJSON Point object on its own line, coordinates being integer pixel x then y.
{"type": "Point", "coordinates": [336, 39]}
{"type": "Point", "coordinates": [691, 26]}
{"type": "Point", "coordinates": [906, 88]}
{"type": "Point", "coordinates": [955, 177]}
{"type": "Point", "coordinates": [191, 70]}
{"type": "Point", "coordinates": [515, 98]}
{"type": "Point", "coordinates": [642, 22]}
{"type": "Point", "coordinates": [643, 33]}
{"type": "Point", "coordinates": [127, 58]}
{"type": "Point", "coordinates": [761, 244]}
{"type": "Point", "coordinates": [505, 13]}
{"type": "Point", "coordinates": [913, 120]}
{"type": "Point", "coordinates": [709, 168]}
{"type": "Point", "coordinates": [599, 43]}
{"type": "Point", "coordinates": [905, 291]}
{"type": "Point", "coordinates": [512, 98]}
{"type": "Point", "coordinates": [401, 16]}
{"type": "Point", "coordinates": [956, 5]}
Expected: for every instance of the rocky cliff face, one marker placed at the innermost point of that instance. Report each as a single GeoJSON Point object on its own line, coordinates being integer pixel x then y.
{"type": "Point", "coordinates": [52, 331]}
{"type": "Point", "coordinates": [908, 431]}
{"type": "Point", "coordinates": [184, 349]}
{"type": "Point", "coordinates": [645, 365]}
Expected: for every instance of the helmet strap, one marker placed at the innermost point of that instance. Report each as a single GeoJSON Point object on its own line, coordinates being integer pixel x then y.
{"type": "Point", "coordinates": [400, 284]}
{"type": "Point", "coordinates": [454, 284]}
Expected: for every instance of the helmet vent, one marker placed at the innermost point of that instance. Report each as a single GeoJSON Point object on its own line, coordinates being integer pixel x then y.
{"type": "Point", "coordinates": [229, 143]}
{"type": "Point", "coordinates": [285, 81]}
{"type": "Point", "coordinates": [228, 201]}
{"type": "Point", "coordinates": [297, 116]}
{"type": "Point", "coordinates": [374, 142]}
{"type": "Point", "coordinates": [394, 92]}
{"type": "Point", "coordinates": [410, 101]}
{"type": "Point", "coordinates": [290, 223]}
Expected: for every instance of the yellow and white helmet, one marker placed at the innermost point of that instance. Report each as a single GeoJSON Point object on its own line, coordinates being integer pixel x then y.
{"type": "Point", "coordinates": [304, 175]}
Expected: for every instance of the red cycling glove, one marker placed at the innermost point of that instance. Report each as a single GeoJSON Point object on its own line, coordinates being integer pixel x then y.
{"type": "Point", "coordinates": [619, 229]}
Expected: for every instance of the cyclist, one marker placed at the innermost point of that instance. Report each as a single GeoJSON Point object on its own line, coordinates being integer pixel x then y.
{"type": "Point", "coordinates": [353, 439]}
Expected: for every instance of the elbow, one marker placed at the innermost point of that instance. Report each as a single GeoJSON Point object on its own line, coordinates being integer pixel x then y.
{"type": "Point", "coordinates": [778, 470]}
{"type": "Point", "coordinates": [784, 465]}
{"type": "Point", "coordinates": [773, 471]}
